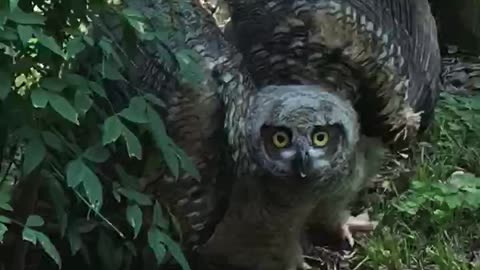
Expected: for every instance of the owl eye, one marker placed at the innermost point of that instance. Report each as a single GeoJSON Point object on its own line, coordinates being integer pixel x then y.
{"type": "Point", "coordinates": [320, 138]}
{"type": "Point", "coordinates": [280, 139]}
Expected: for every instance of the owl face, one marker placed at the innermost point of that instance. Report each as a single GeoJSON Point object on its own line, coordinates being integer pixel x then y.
{"type": "Point", "coordinates": [301, 132]}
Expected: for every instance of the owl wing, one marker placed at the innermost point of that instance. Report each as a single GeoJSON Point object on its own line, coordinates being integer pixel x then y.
{"type": "Point", "coordinates": [385, 52]}
{"type": "Point", "coordinates": [194, 112]}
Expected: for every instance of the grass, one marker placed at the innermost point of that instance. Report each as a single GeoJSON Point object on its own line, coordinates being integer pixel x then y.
{"type": "Point", "coordinates": [434, 224]}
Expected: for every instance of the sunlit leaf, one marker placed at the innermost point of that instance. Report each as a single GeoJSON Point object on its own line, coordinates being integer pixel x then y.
{"type": "Point", "coordinates": [39, 98]}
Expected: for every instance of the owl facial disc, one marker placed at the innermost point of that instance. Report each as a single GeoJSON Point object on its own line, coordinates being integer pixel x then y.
{"type": "Point", "coordinates": [300, 131]}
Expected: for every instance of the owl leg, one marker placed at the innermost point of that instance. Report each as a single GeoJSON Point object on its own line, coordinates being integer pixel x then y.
{"type": "Point", "coordinates": [358, 224]}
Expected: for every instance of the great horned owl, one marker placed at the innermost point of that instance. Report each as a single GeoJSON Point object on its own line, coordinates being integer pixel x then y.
{"type": "Point", "coordinates": [307, 152]}
{"type": "Point", "coordinates": [291, 133]}
{"type": "Point", "coordinates": [368, 68]}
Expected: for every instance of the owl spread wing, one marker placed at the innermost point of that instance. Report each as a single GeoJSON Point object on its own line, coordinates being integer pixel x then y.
{"type": "Point", "coordinates": [196, 115]}
{"type": "Point", "coordinates": [384, 52]}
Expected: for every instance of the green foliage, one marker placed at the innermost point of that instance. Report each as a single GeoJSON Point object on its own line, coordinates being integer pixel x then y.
{"type": "Point", "coordinates": [435, 222]}
{"type": "Point", "coordinates": [79, 125]}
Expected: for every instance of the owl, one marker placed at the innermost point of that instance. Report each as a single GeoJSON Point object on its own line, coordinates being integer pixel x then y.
{"type": "Point", "coordinates": [291, 120]}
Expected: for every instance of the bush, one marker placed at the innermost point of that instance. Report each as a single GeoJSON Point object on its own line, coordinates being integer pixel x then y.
{"type": "Point", "coordinates": [74, 129]}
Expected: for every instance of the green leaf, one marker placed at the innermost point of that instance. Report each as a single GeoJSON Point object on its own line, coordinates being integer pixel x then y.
{"type": "Point", "coordinates": [78, 172]}
{"type": "Point", "coordinates": [106, 46]}
{"type": "Point", "coordinates": [97, 153]}
{"type": "Point", "coordinates": [25, 32]}
{"type": "Point", "coordinates": [34, 221]}
{"type": "Point", "coordinates": [5, 220]}
{"type": "Point", "coordinates": [52, 140]}
{"type": "Point", "coordinates": [134, 147]}
{"type": "Point", "coordinates": [187, 164]}
{"type": "Point", "coordinates": [133, 13]}
{"type": "Point", "coordinates": [155, 100]}
{"type": "Point", "coordinates": [5, 84]}
{"type": "Point", "coordinates": [93, 189]}
{"type": "Point", "coordinates": [158, 217]}
{"type": "Point", "coordinates": [35, 153]}
{"type": "Point", "coordinates": [98, 89]}
{"type": "Point", "coordinates": [112, 129]}
{"type": "Point", "coordinates": [75, 80]}
{"type": "Point", "coordinates": [53, 84]}
{"type": "Point", "coordinates": [75, 171]}
{"type": "Point", "coordinates": [190, 70]}
{"type": "Point", "coordinates": [49, 248]}
{"type": "Point", "coordinates": [21, 17]}
{"type": "Point", "coordinates": [63, 107]}
{"type": "Point", "coordinates": [157, 128]}
{"type": "Point", "coordinates": [39, 98]}
{"type": "Point", "coordinates": [137, 197]}
{"type": "Point", "coordinates": [29, 235]}
{"type": "Point", "coordinates": [50, 43]}
{"type": "Point", "coordinates": [156, 244]}
{"type": "Point", "coordinates": [157, 239]}
{"type": "Point", "coordinates": [75, 46]}
{"type": "Point", "coordinates": [134, 218]}
{"type": "Point", "coordinates": [109, 71]}
{"type": "Point", "coordinates": [3, 230]}
{"type": "Point", "coordinates": [13, 5]}
{"type": "Point", "coordinates": [5, 206]}
{"type": "Point", "coordinates": [74, 239]}
{"type": "Point", "coordinates": [83, 102]}
{"type": "Point", "coordinates": [176, 251]}
{"type": "Point", "coordinates": [136, 111]}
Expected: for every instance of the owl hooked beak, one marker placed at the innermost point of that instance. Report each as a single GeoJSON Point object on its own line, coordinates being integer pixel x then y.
{"type": "Point", "coordinates": [302, 162]}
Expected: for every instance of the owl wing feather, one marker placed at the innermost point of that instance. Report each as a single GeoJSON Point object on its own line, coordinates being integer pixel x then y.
{"type": "Point", "coordinates": [384, 52]}
{"type": "Point", "coordinates": [196, 115]}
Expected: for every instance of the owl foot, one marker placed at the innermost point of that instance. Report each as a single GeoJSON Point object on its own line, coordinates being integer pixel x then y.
{"type": "Point", "coordinates": [358, 224]}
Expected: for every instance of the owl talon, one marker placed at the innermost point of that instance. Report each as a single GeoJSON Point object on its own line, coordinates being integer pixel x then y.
{"type": "Point", "coordinates": [358, 224]}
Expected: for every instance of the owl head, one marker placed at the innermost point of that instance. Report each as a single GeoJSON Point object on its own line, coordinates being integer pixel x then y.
{"type": "Point", "coordinates": [301, 132]}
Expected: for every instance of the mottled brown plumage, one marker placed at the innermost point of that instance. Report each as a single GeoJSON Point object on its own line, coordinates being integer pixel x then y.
{"type": "Point", "coordinates": [382, 56]}
{"type": "Point", "coordinates": [385, 51]}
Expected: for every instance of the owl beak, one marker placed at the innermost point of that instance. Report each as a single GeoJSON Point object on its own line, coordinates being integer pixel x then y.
{"type": "Point", "coordinates": [302, 163]}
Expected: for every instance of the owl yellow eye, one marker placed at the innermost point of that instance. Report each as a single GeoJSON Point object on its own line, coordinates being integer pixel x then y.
{"type": "Point", "coordinates": [320, 138]}
{"type": "Point", "coordinates": [280, 139]}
